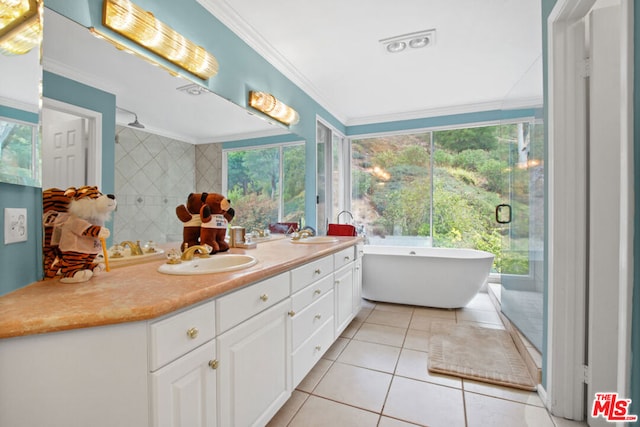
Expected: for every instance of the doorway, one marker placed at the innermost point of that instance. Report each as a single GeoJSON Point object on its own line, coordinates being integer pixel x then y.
{"type": "Point", "coordinates": [591, 178]}
{"type": "Point", "coordinates": [71, 145]}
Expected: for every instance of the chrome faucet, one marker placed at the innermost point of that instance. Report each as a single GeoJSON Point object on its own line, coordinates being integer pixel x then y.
{"type": "Point", "coordinates": [190, 252]}
{"type": "Point", "coordinates": [134, 247]}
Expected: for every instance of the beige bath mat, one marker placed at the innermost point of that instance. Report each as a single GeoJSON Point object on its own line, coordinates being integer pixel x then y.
{"type": "Point", "coordinates": [481, 354]}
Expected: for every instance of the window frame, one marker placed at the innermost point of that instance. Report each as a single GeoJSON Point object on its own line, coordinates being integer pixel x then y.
{"type": "Point", "coordinates": [281, 146]}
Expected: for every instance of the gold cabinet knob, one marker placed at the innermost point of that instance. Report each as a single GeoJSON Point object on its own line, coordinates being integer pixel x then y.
{"type": "Point", "coordinates": [317, 292]}
{"type": "Point", "coordinates": [192, 333]}
{"type": "Point", "coordinates": [347, 258]}
{"type": "Point", "coordinates": [318, 316]}
{"type": "Point", "coordinates": [318, 347]}
{"type": "Point", "coordinates": [292, 313]}
{"type": "Point", "coordinates": [317, 271]}
{"type": "Point", "coordinates": [213, 364]}
{"type": "Point", "coordinates": [264, 297]}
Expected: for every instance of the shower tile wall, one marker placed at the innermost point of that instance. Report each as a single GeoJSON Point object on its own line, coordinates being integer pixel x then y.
{"type": "Point", "coordinates": [209, 168]}
{"type": "Point", "coordinates": [153, 175]}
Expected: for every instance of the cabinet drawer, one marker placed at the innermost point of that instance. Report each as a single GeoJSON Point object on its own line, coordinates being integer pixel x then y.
{"type": "Point", "coordinates": [312, 293]}
{"type": "Point", "coordinates": [174, 336]}
{"type": "Point", "coordinates": [309, 320]}
{"type": "Point", "coordinates": [242, 304]}
{"type": "Point", "coordinates": [305, 357]}
{"type": "Point", "coordinates": [309, 273]}
{"type": "Point", "coordinates": [344, 257]}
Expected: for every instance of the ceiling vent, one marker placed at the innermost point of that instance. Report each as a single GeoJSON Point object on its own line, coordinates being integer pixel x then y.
{"type": "Point", "coordinates": [411, 41]}
{"type": "Point", "coordinates": [194, 89]}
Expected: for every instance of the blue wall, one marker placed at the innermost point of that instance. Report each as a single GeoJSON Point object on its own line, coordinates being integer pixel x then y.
{"type": "Point", "coordinates": [21, 263]}
{"type": "Point", "coordinates": [14, 113]}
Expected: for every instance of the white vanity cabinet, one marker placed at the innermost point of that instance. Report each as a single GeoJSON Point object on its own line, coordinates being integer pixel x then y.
{"type": "Point", "coordinates": [357, 278]}
{"type": "Point", "coordinates": [254, 355]}
{"type": "Point", "coordinates": [232, 360]}
{"type": "Point", "coordinates": [344, 288]}
{"type": "Point", "coordinates": [313, 305]}
{"type": "Point", "coordinates": [182, 360]}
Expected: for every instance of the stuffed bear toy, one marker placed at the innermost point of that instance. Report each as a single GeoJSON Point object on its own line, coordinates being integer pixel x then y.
{"type": "Point", "coordinates": [216, 213]}
{"type": "Point", "coordinates": [190, 217]}
{"type": "Point", "coordinates": [81, 232]}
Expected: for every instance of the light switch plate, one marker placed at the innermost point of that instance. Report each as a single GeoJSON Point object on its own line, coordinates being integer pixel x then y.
{"type": "Point", "coordinates": [15, 225]}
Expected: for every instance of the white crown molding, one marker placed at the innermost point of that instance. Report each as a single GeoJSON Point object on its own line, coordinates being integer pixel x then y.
{"type": "Point", "coordinates": [446, 111]}
{"type": "Point", "coordinates": [241, 136]}
{"type": "Point", "coordinates": [65, 70]}
{"type": "Point", "coordinates": [19, 105]}
{"type": "Point", "coordinates": [224, 12]}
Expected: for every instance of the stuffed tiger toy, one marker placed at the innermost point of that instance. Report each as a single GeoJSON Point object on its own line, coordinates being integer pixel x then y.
{"type": "Point", "coordinates": [80, 231]}
{"type": "Point", "coordinates": [54, 208]}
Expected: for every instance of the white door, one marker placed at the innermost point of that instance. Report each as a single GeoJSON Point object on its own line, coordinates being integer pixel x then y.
{"type": "Point", "coordinates": [63, 150]}
{"type": "Point", "coordinates": [605, 146]}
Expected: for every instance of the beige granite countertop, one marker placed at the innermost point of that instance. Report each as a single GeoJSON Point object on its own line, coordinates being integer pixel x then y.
{"type": "Point", "coordinates": [139, 292]}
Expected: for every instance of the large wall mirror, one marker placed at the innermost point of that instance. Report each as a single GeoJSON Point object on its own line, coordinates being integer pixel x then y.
{"type": "Point", "coordinates": [20, 77]}
{"type": "Point", "coordinates": [167, 137]}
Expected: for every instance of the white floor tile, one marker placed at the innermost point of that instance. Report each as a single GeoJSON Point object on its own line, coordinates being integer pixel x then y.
{"type": "Point", "coordinates": [425, 403]}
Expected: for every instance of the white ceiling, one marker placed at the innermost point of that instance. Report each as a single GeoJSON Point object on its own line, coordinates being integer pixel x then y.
{"type": "Point", "coordinates": [483, 50]}
{"type": "Point", "coordinates": [487, 53]}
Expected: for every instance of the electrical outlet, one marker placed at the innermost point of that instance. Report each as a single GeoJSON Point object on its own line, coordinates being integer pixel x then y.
{"type": "Point", "coordinates": [15, 225]}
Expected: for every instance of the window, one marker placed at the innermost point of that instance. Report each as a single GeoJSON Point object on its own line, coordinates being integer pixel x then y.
{"type": "Point", "coordinates": [265, 184]}
{"type": "Point", "coordinates": [333, 176]}
{"type": "Point", "coordinates": [19, 153]}
{"type": "Point", "coordinates": [441, 188]}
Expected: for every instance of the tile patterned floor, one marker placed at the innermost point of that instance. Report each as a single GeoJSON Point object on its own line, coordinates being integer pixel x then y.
{"type": "Point", "coordinates": [376, 374]}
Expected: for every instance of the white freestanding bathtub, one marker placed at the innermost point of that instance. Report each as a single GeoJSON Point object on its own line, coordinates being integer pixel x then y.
{"type": "Point", "coordinates": [430, 277]}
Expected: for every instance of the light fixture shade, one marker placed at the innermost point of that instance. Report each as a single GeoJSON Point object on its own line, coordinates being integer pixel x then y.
{"type": "Point", "coordinates": [20, 26]}
{"type": "Point", "coordinates": [141, 27]}
{"type": "Point", "coordinates": [269, 105]}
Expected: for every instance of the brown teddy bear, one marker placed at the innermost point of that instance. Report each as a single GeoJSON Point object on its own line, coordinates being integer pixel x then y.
{"type": "Point", "coordinates": [190, 216]}
{"type": "Point", "coordinates": [215, 214]}
{"type": "Point", "coordinates": [81, 231]}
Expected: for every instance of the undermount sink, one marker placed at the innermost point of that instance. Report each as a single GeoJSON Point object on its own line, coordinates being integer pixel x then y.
{"type": "Point", "coordinates": [315, 240]}
{"type": "Point", "coordinates": [213, 264]}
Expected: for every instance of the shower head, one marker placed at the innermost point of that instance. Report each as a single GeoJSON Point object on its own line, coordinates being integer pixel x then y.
{"type": "Point", "coordinates": [136, 123]}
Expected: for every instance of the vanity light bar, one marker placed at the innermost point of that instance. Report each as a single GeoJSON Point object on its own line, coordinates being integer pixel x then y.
{"type": "Point", "coordinates": [20, 26]}
{"type": "Point", "coordinates": [141, 27]}
{"type": "Point", "coordinates": [269, 105]}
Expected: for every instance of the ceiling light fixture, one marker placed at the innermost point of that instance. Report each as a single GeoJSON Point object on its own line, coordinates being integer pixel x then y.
{"type": "Point", "coordinates": [269, 105]}
{"type": "Point", "coordinates": [415, 40]}
{"type": "Point", "coordinates": [20, 26]}
{"type": "Point", "coordinates": [141, 27]}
